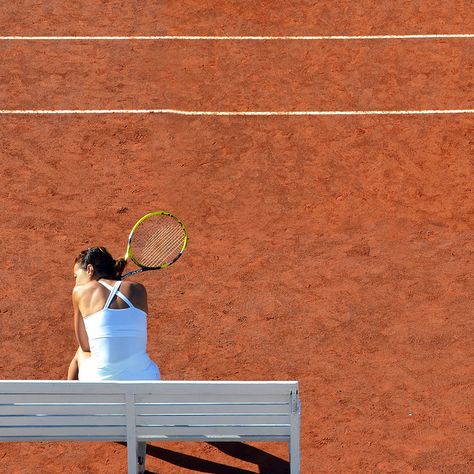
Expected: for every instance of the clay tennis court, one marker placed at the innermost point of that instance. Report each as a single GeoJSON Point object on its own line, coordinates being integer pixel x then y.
{"type": "Point", "coordinates": [333, 250]}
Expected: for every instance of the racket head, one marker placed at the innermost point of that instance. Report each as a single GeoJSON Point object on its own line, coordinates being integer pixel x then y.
{"type": "Point", "coordinates": [156, 241]}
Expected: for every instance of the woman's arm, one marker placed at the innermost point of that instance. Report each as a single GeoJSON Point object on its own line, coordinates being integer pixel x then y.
{"type": "Point", "coordinates": [79, 326]}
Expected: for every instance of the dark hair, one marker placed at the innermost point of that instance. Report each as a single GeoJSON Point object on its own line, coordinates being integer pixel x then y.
{"type": "Point", "coordinates": [102, 261]}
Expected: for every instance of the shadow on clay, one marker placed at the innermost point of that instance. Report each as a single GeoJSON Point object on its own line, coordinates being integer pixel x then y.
{"type": "Point", "coordinates": [267, 463]}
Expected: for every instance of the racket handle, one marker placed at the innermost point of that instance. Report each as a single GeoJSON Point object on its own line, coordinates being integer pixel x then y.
{"type": "Point", "coordinates": [139, 270]}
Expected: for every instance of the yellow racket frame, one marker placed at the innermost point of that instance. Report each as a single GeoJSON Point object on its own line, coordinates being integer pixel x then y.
{"type": "Point", "coordinates": [129, 254]}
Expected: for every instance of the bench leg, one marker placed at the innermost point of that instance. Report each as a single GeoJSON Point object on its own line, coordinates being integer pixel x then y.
{"type": "Point", "coordinates": [294, 457]}
{"type": "Point", "coordinates": [132, 457]}
{"type": "Point", "coordinates": [141, 457]}
{"type": "Point", "coordinates": [295, 440]}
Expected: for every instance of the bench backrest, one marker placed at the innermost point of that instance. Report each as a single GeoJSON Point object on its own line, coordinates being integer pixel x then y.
{"type": "Point", "coordinates": [161, 410]}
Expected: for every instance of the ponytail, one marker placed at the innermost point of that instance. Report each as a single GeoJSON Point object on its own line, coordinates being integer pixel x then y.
{"type": "Point", "coordinates": [119, 267]}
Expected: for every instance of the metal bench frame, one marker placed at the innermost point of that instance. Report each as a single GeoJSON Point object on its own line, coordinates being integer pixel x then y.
{"type": "Point", "coordinates": [137, 412]}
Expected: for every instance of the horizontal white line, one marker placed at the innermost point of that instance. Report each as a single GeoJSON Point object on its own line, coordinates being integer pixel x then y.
{"type": "Point", "coordinates": [232, 38]}
{"type": "Point", "coordinates": [236, 113]}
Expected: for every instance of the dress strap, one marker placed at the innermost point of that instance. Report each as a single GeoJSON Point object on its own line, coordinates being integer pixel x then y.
{"type": "Point", "coordinates": [114, 291]}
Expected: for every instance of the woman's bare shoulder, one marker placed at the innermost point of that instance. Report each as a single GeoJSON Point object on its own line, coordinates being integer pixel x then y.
{"type": "Point", "coordinates": [81, 290]}
{"type": "Point", "coordinates": [137, 294]}
{"type": "Point", "coordinates": [133, 286]}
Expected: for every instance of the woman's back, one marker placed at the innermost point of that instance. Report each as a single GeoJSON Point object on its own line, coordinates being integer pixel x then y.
{"type": "Point", "coordinates": [92, 296]}
{"type": "Point", "coordinates": [117, 335]}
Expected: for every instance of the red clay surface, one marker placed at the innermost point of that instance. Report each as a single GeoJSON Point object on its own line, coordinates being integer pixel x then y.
{"type": "Point", "coordinates": [235, 17]}
{"type": "Point", "coordinates": [333, 251]}
{"type": "Point", "coordinates": [248, 75]}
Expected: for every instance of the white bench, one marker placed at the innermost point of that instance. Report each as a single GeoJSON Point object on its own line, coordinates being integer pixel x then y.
{"type": "Point", "coordinates": [137, 412]}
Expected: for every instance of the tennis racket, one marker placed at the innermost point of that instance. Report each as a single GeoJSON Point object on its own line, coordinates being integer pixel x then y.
{"type": "Point", "coordinates": [156, 241]}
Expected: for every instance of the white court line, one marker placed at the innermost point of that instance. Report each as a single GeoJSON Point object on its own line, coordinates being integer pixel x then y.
{"type": "Point", "coordinates": [236, 113]}
{"type": "Point", "coordinates": [233, 38]}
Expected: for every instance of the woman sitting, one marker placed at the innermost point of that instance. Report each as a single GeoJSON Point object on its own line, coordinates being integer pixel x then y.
{"type": "Point", "coordinates": [110, 322]}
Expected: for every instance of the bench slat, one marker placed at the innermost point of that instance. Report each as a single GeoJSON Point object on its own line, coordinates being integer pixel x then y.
{"type": "Point", "coordinates": [213, 430]}
{"type": "Point", "coordinates": [55, 397]}
{"type": "Point", "coordinates": [63, 437]}
{"type": "Point", "coordinates": [75, 420]}
{"type": "Point", "coordinates": [215, 398]}
{"type": "Point", "coordinates": [211, 419]}
{"type": "Point", "coordinates": [63, 409]}
{"type": "Point", "coordinates": [37, 432]}
{"type": "Point", "coordinates": [213, 438]}
{"type": "Point", "coordinates": [224, 408]}
{"type": "Point", "coordinates": [162, 386]}
{"type": "Point", "coordinates": [221, 388]}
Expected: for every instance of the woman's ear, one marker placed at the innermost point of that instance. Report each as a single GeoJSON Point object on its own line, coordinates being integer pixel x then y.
{"type": "Point", "coordinates": [90, 269]}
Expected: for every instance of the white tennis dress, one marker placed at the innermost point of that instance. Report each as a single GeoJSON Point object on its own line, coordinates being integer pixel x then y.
{"type": "Point", "coordinates": [117, 340]}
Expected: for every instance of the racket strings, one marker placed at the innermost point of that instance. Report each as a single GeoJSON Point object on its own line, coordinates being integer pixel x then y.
{"type": "Point", "coordinates": [158, 241]}
{"type": "Point", "coordinates": [156, 258]}
{"type": "Point", "coordinates": [165, 236]}
{"type": "Point", "coordinates": [162, 246]}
